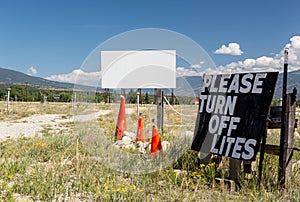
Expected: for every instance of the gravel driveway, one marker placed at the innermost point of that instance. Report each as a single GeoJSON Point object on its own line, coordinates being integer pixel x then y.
{"type": "Point", "coordinates": [33, 125]}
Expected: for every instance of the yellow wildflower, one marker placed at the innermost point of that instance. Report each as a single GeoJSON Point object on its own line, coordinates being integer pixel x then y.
{"type": "Point", "coordinates": [133, 187]}
{"type": "Point", "coordinates": [40, 144]}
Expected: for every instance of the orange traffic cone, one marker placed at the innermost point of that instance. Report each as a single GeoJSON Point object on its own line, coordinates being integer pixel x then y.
{"type": "Point", "coordinates": [156, 142]}
{"type": "Point", "coordinates": [140, 130]}
{"type": "Point", "coordinates": [121, 125]}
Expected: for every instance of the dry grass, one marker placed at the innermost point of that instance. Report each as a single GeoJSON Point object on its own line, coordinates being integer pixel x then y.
{"type": "Point", "coordinates": [59, 167]}
{"type": "Point", "coordinates": [19, 110]}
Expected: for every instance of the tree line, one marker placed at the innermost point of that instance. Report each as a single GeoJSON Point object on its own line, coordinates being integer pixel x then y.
{"type": "Point", "coordinates": [22, 93]}
{"type": "Point", "coordinates": [33, 94]}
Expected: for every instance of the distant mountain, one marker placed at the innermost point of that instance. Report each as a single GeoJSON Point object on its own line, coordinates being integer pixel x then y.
{"type": "Point", "coordinates": [193, 82]}
{"type": "Point", "coordinates": [14, 77]}
{"type": "Point", "coordinates": [293, 82]}
{"type": "Point", "coordinates": [186, 83]}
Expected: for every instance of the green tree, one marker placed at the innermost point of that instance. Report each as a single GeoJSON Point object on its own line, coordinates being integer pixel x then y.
{"type": "Point", "coordinates": [99, 97]}
{"type": "Point", "coordinates": [131, 96]}
{"type": "Point", "coordinates": [146, 98]}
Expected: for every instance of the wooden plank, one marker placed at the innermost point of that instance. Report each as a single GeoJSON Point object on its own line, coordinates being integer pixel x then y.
{"type": "Point", "coordinates": [277, 124]}
{"type": "Point", "coordinates": [274, 124]}
{"type": "Point", "coordinates": [275, 149]}
{"type": "Point", "coordinates": [296, 149]}
{"type": "Point", "coordinates": [271, 149]}
{"type": "Point", "coordinates": [274, 121]}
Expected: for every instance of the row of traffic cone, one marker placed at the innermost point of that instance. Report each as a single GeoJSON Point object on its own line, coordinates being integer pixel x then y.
{"type": "Point", "coordinates": [140, 137]}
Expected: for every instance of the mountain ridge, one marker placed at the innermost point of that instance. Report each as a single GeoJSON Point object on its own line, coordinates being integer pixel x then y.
{"type": "Point", "coordinates": [15, 77]}
{"type": "Point", "coordinates": [292, 82]}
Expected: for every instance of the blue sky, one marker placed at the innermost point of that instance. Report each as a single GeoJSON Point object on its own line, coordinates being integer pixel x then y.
{"type": "Point", "coordinates": [54, 37]}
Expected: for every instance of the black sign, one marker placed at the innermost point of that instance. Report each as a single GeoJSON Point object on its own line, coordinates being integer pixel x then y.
{"type": "Point", "coordinates": [232, 113]}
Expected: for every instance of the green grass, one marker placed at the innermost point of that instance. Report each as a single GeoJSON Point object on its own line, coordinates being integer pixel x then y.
{"type": "Point", "coordinates": [59, 167]}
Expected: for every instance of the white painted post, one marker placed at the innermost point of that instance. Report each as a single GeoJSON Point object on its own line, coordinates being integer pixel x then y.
{"type": "Point", "coordinates": [138, 102]}
{"type": "Point", "coordinates": [7, 100]}
{"type": "Point", "coordinates": [74, 100]}
{"type": "Point", "coordinates": [45, 99]}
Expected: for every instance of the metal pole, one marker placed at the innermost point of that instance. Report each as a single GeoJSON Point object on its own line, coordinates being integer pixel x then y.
{"type": "Point", "coordinates": [281, 170]}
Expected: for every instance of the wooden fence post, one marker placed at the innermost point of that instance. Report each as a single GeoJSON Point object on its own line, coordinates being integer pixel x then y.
{"type": "Point", "coordinates": [285, 159]}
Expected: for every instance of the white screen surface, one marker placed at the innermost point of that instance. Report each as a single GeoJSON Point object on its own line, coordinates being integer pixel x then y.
{"type": "Point", "coordinates": [139, 69]}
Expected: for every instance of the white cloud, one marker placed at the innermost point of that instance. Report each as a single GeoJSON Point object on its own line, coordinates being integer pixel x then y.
{"type": "Point", "coordinates": [267, 63]}
{"type": "Point", "coordinates": [295, 42]}
{"type": "Point", "coordinates": [78, 76]}
{"type": "Point", "coordinates": [198, 66]}
{"type": "Point", "coordinates": [231, 49]}
{"type": "Point", "coordinates": [249, 63]}
{"type": "Point", "coordinates": [263, 63]}
{"type": "Point", "coordinates": [32, 71]}
{"type": "Point", "coordinates": [181, 71]}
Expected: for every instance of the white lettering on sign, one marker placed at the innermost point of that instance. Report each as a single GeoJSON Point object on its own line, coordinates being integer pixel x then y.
{"type": "Point", "coordinates": [248, 81]}
{"type": "Point", "coordinates": [219, 104]}
{"type": "Point", "coordinates": [241, 147]}
{"type": "Point", "coordinates": [222, 106]}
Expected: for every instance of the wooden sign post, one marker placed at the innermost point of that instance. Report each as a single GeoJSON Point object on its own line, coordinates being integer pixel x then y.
{"type": "Point", "coordinates": [281, 170]}
{"type": "Point", "coordinates": [159, 100]}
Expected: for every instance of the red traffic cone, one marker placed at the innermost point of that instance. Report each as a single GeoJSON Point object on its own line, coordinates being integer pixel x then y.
{"type": "Point", "coordinates": [140, 130]}
{"type": "Point", "coordinates": [156, 142]}
{"type": "Point", "coordinates": [121, 125]}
